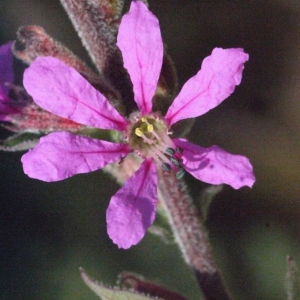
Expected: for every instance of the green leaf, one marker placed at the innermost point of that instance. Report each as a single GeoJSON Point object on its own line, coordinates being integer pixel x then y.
{"type": "Point", "coordinates": [114, 293]}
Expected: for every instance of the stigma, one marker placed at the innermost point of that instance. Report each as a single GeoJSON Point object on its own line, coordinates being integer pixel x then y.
{"type": "Point", "coordinates": [149, 137]}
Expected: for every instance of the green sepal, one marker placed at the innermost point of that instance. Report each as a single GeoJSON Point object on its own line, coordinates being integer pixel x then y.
{"type": "Point", "coordinates": [206, 198]}
{"type": "Point", "coordinates": [167, 86]}
{"type": "Point", "coordinates": [27, 140]}
{"type": "Point", "coordinates": [139, 283]}
{"type": "Point", "coordinates": [146, 2]}
{"type": "Point", "coordinates": [115, 7]}
{"type": "Point", "coordinates": [101, 134]}
{"type": "Point", "coordinates": [20, 142]}
{"type": "Point", "coordinates": [112, 293]}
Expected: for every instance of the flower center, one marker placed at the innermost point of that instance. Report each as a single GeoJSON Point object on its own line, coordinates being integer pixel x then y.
{"type": "Point", "coordinates": [149, 137]}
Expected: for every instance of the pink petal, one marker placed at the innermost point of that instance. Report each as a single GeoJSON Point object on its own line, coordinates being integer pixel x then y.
{"type": "Point", "coordinates": [214, 165]}
{"type": "Point", "coordinates": [6, 69]}
{"type": "Point", "coordinates": [60, 155]}
{"type": "Point", "coordinates": [61, 90]}
{"type": "Point", "coordinates": [140, 42]}
{"type": "Point", "coordinates": [219, 74]}
{"type": "Point", "coordinates": [132, 209]}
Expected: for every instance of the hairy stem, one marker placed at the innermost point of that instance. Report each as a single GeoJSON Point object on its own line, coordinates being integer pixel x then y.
{"type": "Point", "coordinates": [96, 22]}
{"type": "Point", "coordinates": [90, 21]}
{"type": "Point", "coordinates": [191, 236]}
{"type": "Point", "coordinates": [187, 227]}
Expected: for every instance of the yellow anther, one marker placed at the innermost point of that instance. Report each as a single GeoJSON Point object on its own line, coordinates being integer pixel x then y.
{"type": "Point", "coordinates": [144, 120]}
{"type": "Point", "coordinates": [150, 127]}
{"type": "Point", "coordinates": [139, 132]}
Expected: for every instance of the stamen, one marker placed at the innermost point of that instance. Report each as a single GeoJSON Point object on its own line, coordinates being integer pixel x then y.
{"type": "Point", "coordinates": [174, 161]}
{"type": "Point", "coordinates": [180, 160]}
{"type": "Point", "coordinates": [139, 132]}
{"type": "Point", "coordinates": [160, 155]}
{"type": "Point", "coordinates": [166, 151]}
{"type": "Point", "coordinates": [150, 135]}
{"type": "Point", "coordinates": [166, 167]}
{"type": "Point", "coordinates": [156, 135]}
{"type": "Point", "coordinates": [147, 140]}
{"type": "Point", "coordinates": [161, 160]}
{"type": "Point", "coordinates": [179, 150]}
{"type": "Point", "coordinates": [163, 156]}
{"type": "Point", "coordinates": [150, 127]}
{"type": "Point", "coordinates": [180, 173]}
{"type": "Point", "coordinates": [170, 151]}
{"type": "Point", "coordinates": [166, 139]}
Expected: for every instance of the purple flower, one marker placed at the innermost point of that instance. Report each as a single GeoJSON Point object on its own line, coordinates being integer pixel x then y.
{"type": "Point", "coordinates": [63, 91]}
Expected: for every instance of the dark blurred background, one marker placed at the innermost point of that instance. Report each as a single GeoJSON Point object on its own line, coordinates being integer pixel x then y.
{"type": "Point", "coordinates": [49, 230]}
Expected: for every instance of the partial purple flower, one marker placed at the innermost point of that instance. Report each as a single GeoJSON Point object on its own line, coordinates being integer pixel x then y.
{"type": "Point", "coordinates": [6, 78]}
{"type": "Point", "coordinates": [6, 69]}
{"type": "Point", "coordinates": [21, 113]}
{"type": "Point", "coordinates": [63, 91]}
